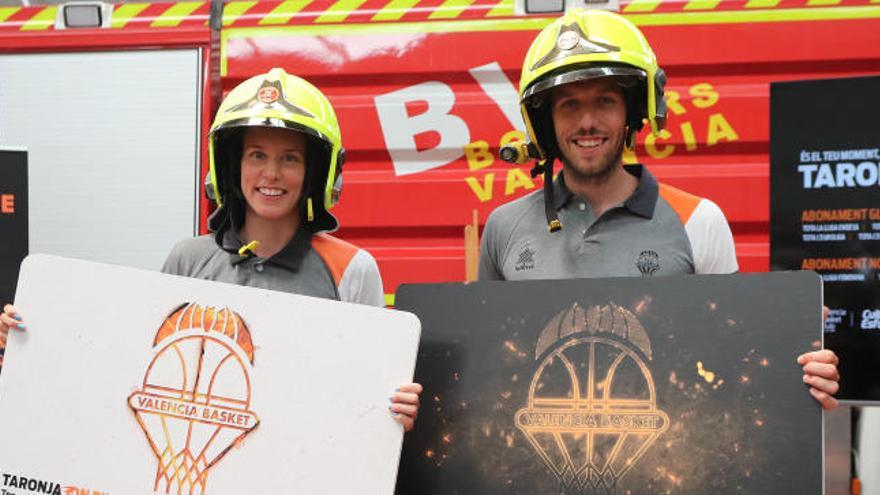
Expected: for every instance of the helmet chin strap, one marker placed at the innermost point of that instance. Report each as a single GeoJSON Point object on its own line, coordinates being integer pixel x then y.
{"type": "Point", "coordinates": [543, 164]}
{"type": "Point", "coordinates": [629, 138]}
{"type": "Point", "coordinates": [546, 166]}
{"type": "Point", "coordinates": [553, 223]}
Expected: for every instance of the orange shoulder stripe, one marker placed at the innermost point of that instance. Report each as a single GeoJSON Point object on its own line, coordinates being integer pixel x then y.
{"type": "Point", "coordinates": [681, 202]}
{"type": "Point", "coordinates": [336, 253]}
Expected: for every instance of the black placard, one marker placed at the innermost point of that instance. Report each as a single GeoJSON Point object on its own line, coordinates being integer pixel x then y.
{"type": "Point", "coordinates": [684, 385]}
{"type": "Point", "coordinates": [825, 211]}
{"type": "Point", "coordinates": [13, 220]}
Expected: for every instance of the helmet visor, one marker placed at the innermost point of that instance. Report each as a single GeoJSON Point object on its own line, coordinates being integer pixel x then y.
{"type": "Point", "coordinates": [257, 121]}
{"type": "Point", "coordinates": [590, 72]}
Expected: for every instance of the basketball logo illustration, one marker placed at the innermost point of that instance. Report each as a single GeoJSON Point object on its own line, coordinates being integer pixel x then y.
{"type": "Point", "coordinates": [592, 409]}
{"type": "Point", "coordinates": [194, 402]}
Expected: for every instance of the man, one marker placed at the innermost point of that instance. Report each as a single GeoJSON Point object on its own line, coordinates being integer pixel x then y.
{"type": "Point", "coordinates": [589, 82]}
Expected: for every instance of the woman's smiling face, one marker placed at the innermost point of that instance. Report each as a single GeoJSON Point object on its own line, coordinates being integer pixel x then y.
{"type": "Point", "coordinates": [273, 168]}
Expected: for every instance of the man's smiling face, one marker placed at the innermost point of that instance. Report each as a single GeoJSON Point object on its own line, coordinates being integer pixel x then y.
{"type": "Point", "coordinates": [589, 117]}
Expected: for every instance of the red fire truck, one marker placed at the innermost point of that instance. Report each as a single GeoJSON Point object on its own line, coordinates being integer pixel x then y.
{"type": "Point", "coordinates": [425, 91]}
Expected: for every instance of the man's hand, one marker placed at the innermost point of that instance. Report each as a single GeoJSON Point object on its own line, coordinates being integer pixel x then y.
{"type": "Point", "coordinates": [820, 373]}
{"type": "Point", "coordinates": [9, 318]}
{"type": "Point", "coordinates": [405, 404]}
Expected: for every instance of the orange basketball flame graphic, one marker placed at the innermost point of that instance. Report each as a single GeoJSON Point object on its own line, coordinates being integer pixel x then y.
{"type": "Point", "coordinates": [194, 403]}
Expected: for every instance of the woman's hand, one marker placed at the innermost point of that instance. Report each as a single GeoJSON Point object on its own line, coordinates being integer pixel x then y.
{"type": "Point", "coordinates": [405, 404]}
{"type": "Point", "coordinates": [9, 318]}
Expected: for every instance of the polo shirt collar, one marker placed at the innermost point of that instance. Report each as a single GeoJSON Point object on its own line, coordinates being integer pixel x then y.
{"type": "Point", "coordinates": [561, 194]}
{"type": "Point", "coordinates": [290, 257]}
{"type": "Point", "coordinates": [644, 198]}
{"type": "Point", "coordinates": [642, 201]}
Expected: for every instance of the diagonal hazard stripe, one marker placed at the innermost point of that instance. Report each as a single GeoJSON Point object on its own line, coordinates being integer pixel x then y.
{"type": "Point", "coordinates": [701, 4]}
{"type": "Point", "coordinates": [125, 12]}
{"type": "Point", "coordinates": [43, 20]}
{"type": "Point", "coordinates": [7, 12]}
{"type": "Point", "coordinates": [811, 3]}
{"type": "Point", "coordinates": [450, 9]}
{"type": "Point", "coordinates": [764, 15]}
{"type": "Point", "coordinates": [533, 24]}
{"type": "Point", "coordinates": [339, 11]}
{"type": "Point", "coordinates": [176, 14]}
{"type": "Point", "coordinates": [762, 4]}
{"type": "Point", "coordinates": [504, 7]}
{"type": "Point", "coordinates": [283, 12]}
{"type": "Point", "coordinates": [642, 6]}
{"type": "Point", "coordinates": [233, 10]}
{"type": "Point", "coordinates": [536, 23]}
{"type": "Point", "coordinates": [394, 10]}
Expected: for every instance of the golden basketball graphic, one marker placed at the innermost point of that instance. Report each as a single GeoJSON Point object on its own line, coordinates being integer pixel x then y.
{"type": "Point", "coordinates": [194, 403]}
{"type": "Point", "coordinates": [592, 409]}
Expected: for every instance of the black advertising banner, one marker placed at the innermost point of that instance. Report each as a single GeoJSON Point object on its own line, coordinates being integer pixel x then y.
{"type": "Point", "coordinates": [13, 219]}
{"type": "Point", "coordinates": [616, 386]}
{"type": "Point", "coordinates": [825, 211]}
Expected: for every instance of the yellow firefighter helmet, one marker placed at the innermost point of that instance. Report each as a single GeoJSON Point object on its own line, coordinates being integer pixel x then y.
{"type": "Point", "coordinates": [580, 45]}
{"type": "Point", "coordinates": [587, 44]}
{"type": "Point", "coordinates": [278, 99]}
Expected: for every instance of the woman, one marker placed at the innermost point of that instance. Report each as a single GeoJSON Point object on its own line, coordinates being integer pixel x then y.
{"type": "Point", "coordinates": [276, 169]}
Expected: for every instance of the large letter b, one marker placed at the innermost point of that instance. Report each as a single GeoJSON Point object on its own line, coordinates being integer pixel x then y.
{"type": "Point", "coordinates": [400, 129]}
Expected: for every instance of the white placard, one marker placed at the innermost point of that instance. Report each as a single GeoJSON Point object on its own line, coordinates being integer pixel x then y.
{"type": "Point", "coordinates": [112, 357]}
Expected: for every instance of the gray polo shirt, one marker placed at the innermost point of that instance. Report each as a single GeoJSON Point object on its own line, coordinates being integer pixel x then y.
{"type": "Point", "coordinates": [310, 265]}
{"type": "Point", "coordinates": [659, 230]}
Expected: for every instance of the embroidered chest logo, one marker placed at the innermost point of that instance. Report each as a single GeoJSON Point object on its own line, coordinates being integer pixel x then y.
{"type": "Point", "coordinates": [526, 259]}
{"type": "Point", "coordinates": [648, 262]}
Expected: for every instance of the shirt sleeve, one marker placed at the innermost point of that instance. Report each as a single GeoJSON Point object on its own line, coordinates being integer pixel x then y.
{"type": "Point", "coordinates": [711, 240]}
{"type": "Point", "coordinates": [489, 256]}
{"type": "Point", "coordinates": [174, 262]}
{"type": "Point", "coordinates": [361, 282]}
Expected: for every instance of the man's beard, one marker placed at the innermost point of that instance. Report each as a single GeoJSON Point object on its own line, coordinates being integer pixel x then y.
{"type": "Point", "coordinates": [607, 166]}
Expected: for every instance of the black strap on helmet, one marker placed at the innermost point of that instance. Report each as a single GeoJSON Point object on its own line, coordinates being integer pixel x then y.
{"type": "Point", "coordinates": [546, 166]}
